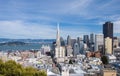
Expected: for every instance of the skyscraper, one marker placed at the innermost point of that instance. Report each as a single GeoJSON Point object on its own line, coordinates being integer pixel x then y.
{"type": "Point", "coordinates": [108, 29]}
{"type": "Point", "coordinates": [69, 40]}
{"type": "Point", "coordinates": [69, 50]}
{"type": "Point", "coordinates": [73, 41]}
{"type": "Point", "coordinates": [76, 49]}
{"type": "Point", "coordinates": [99, 42]}
{"type": "Point", "coordinates": [115, 42]}
{"type": "Point", "coordinates": [58, 37]}
{"type": "Point", "coordinates": [81, 47]}
{"type": "Point", "coordinates": [62, 42]}
{"type": "Point", "coordinates": [92, 42]}
{"type": "Point", "coordinates": [91, 38]}
{"type": "Point", "coordinates": [86, 39]}
{"type": "Point", "coordinates": [108, 45]}
{"type": "Point", "coordinates": [59, 50]}
{"type": "Point", "coordinates": [108, 37]}
{"type": "Point", "coordinates": [78, 40]}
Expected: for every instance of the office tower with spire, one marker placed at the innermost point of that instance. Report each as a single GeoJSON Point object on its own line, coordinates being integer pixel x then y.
{"type": "Point", "coordinates": [59, 50]}
{"type": "Point", "coordinates": [58, 37]}
{"type": "Point", "coordinates": [108, 37]}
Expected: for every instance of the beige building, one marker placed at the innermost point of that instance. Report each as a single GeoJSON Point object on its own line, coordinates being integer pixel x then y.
{"type": "Point", "coordinates": [108, 72]}
{"type": "Point", "coordinates": [108, 45]}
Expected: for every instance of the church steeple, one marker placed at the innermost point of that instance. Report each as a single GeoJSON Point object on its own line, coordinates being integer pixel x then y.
{"type": "Point", "coordinates": [58, 36]}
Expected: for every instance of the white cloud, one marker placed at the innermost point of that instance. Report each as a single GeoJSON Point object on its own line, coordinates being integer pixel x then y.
{"type": "Point", "coordinates": [76, 6]}
{"type": "Point", "coordinates": [73, 12]}
{"type": "Point", "coordinates": [20, 29]}
{"type": "Point", "coordinates": [71, 7]}
{"type": "Point", "coordinates": [116, 26]}
{"type": "Point", "coordinates": [63, 10]}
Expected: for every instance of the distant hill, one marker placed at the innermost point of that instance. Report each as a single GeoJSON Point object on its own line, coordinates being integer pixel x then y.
{"type": "Point", "coordinates": [12, 43]}
{"type": "Point", "coordinates": [4, 40]}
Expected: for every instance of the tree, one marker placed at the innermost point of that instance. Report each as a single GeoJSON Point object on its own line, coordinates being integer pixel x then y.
{"type": "Point", "coordinates": [11, 68]}
{"type": "Point", "coordinates": [70, 61]}
{"type": "Point", "coordinates": [104, 60]}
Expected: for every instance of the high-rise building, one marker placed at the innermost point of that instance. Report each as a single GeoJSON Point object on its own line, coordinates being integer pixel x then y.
{"type": "Point", "coordinates": [69, 40]}
{"type": "Point", "coordinates": [73, 41]}
{"type": "Point", "coordinates": [69, 50]}
{"type": "Point", "coordinates": [78, 40]}
{"type": "Point", "coordinates": [62, 42]}
{"type": "Point", "coordinates": [108, 37]}
{"type": "Point", "coordinates": [119, 41]}
{"type": "Point", "coordinates": [115, 42]}
{"type": "Point", "coordinates": [76, 49]}
{"type": "Point", "coordinates": [108, 45]}
{"type": "Point", "coordinates": [92, 38]}
{"type": "Point", "coordinates": [80, 44]}
{"type": "Point", "coordinates": [92, 42]}
{"type": "Point", "coordinates": [58, 37]}
{"type": "Point", "coordinates": [81, 47]}
{"type": "Point", "coordinates": [57, 48]}
{"type": "Point", "coordinates": [108, 30]}
{"type": "Point", "coordinates": [53, 49]}
{"type": "Point", "coordinates": [59, 51]}
{"type": "Point", "coordinates": [86, 39]}
{"type": "Point", "coordinates": [99, 42]}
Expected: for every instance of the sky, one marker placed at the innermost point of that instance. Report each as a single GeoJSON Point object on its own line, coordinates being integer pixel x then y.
{"type": "Point", "coordinates": [38, 19]}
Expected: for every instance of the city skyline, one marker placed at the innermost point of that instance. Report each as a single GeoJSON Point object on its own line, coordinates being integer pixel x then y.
{"type": "Point", "coordinates": [39, 19]}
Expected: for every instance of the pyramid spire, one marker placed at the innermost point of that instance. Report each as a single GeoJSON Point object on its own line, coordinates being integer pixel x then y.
{"type": "Point", "coordinates": [58, 26]}
{"type": "Point", "coordinates": [58, 36]}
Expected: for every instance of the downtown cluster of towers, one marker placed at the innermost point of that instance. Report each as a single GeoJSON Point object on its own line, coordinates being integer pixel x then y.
{"type": "Point", "coordinates": [73, 47]}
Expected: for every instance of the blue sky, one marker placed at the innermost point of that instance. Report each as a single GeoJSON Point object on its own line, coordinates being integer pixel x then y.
{"type": "Point", "coordinates": [39, 18]}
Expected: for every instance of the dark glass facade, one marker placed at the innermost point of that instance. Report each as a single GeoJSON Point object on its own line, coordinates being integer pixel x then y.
{"type": "Point", "coordinates": [86, 39]}
{"type": "Point", "coordinates": [108, 30]}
